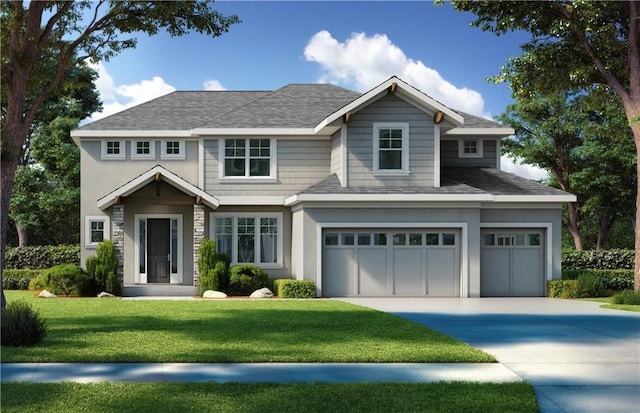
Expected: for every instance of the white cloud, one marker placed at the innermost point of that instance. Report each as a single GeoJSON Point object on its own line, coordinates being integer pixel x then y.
{"type": "Point", "coordinates": [117, 98]}
{"type": "Point", "coordinates": [524, 170]}
{"type": "Point", "coordinates": [362, 62]}
{"type": "Point", "coordinates": [213, 85]}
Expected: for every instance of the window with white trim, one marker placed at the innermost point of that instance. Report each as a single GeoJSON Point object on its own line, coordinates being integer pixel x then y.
{"type": "Point", "coordinates": [173, 150]}
{"type": "Point", "coordinates": [470, 148]}
{"type": "Point", "coordinates": [391, 148]}
{"type": "Point", "coordinates": [248, 158]}
{"type": "Point", "coordinates": [112, 149]}
{"type": "Point", "coordinates": [143, 149]}
{"type": "Point", "coordinates": [253, 238]}
{"type": "Point", "coordinates": [96, 230]}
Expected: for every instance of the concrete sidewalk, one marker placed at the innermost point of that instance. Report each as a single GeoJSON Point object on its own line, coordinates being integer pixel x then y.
{"type": "Point", "coordinates": [256, 372]}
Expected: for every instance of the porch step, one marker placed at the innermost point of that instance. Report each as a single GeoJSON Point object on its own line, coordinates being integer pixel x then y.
{"type": "Point", "coordinates": [159, 290]}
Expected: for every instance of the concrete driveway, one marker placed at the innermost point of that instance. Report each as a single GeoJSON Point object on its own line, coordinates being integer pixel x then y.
{"type": "Point", "coordinates": [578, 357]}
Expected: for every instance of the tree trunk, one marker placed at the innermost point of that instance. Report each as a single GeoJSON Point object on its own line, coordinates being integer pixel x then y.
{"type": "Point", "coordinates": [603, 231]}
{"type": "Point", "coordinates": [635, 126]}
{"type": "Point", "coordinates": [23, 235]}
{"type": "Point", "coordinates": [574, 225]}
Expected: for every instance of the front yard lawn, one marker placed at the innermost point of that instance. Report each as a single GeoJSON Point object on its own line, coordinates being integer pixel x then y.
{"type": "Point", "coordinates": [268, 397]}
{"type": "Point", "coordinates": [111, 330]}
{"type": "Point", "coordinates": [607, 302]}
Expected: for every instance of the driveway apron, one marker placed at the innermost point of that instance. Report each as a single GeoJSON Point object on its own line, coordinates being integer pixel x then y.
{"type": "Point", "coordinates": [578, 357]}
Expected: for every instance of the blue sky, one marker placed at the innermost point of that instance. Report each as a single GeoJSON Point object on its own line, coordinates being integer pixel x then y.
{"type": "Point", "coordinates": [356, 45]}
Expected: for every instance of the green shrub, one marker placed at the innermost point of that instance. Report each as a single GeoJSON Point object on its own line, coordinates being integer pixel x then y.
{"type": "Point", "coordinates": [628, 297]}
{"type": "Point", "coordinates": [18, 279]}
{"type": "Point", "coordinates": [69, 280]}
{"type": "Point", "coordinates": [42, 257]}
{"type": "Point", "coordinates": [37, 284]}
{"type": "Point", "coordinates": [287, 288]}
{"type": "Point", "coordinates": [103, 268]}
{"type": "Point", "coordinates": [213, 268]}
{"type": "Point", "coordinates": [615, 280]}
{"type": "Point", "coordinates": [598, 259]}
{"type": "Point", "coordinates": [590, 285]}
{"type": "Point", "coordinates": [561, 288]}
{"type": "Point", "coordinates": [246, 278]}
{"type": "Point", "coordinates": [21, 325]}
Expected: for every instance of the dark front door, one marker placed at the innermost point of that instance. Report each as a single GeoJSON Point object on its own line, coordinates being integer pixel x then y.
{"type": "Point", "coordinates": [159, 248]}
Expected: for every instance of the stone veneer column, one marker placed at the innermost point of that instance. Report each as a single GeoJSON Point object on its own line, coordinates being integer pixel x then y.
{"type": "Point", "coordinates": [198, 237]}
{"type": "Point", "coordinates": [117, 237]}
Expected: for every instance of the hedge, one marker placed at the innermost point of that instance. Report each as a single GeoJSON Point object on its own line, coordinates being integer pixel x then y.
{"type": "Point", "coordinates": [616, 280]}
{"type": "Point", "coordinates": [18, 279]}
{"type": "Point", "coordinates": [42, 257]}
{"type": "Point", "coordinates": [287, 288]}
{"type": "Point", "coordinates": [598, 259]}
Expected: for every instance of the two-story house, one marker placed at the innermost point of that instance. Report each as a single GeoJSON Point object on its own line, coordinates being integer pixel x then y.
{"type": "Point", "coordinates": [386, 193]}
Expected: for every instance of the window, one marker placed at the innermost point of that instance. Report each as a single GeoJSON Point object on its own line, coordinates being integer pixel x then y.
{"type": "Point", "coordinates": [248, 158]}
{"type": "Point", "coordinates": [249, 238]}
{"type": "Point", "coordinates": [96, 230]}
{"type": "Point", "coordinates": [112, 150]}
{"type": "Point", "coordinates": [173, 150]}
{"type": "Point", "coordinates": [141, 149]}
{"type": "Point", "coordinates": [391, 148]}
{"type": "Point", "coordinates": [470, 148]}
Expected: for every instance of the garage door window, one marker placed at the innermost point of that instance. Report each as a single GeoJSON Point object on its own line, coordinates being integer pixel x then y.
{"type": "Point", "coordinates": [398, 239]}
{"type": "Point", "coordinates": [511, 240]}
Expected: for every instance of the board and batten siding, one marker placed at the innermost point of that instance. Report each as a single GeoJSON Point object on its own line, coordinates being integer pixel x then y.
{"type": "Point", "coordinates": [300, 162]}
{"type": "Point", "coordinates": [360, 144]}
{"type": "Point", "coordinates": [449, 154]}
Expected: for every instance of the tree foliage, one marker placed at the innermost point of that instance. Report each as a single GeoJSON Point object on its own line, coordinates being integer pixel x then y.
{"type": "Point", "coordinates": [45, 40]}
{"type": "Point", "coordinates": [574, 45]}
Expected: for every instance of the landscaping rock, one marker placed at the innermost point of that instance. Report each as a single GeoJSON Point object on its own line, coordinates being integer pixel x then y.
{"type": "Point", "coordinates": [105, 294]}
{"type": "Point", "coordinates": [46, 294]}
{"type": "Point", "coordinates": [214, 294]}
{"type": "Point", "coordinates": [261, 293]}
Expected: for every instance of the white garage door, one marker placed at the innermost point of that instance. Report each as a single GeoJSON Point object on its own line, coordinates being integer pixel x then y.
{"type": "Point", "coordinates": [391, 262]}
{"type": "Point", "coordinates": [512, 263]}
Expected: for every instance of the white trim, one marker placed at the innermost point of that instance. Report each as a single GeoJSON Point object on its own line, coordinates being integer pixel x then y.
{"type": "Point", "coordinates": [381, 90]}
{"type": "Point", "coordinates": [122, 147]}
{"type": "Point", "coordinates": [201, 182]}
{"type": "Point", "coordinates": [234, 243]}
{"type": "Point", "coordinates": [464, 247]}
{"type": "Point", "coordinates": [547, 226]}
{"type": "Point", "coordinates": [296, 199]}
{"type": "Point", "coordinates": [147, 177]}
{"type": "Point", "coordinates": [252, 131]}
{"type": "Point", "coordinates": [163, 133]}
{"type": "Point", "coordinates": [106, 231]}
{"type": "Point", "coordinates": [251, 200]}
{"type": "Point", "coordinates": [181, 148]}
{"type": "Point", "coordinates": [479, 148]}
{"type": "Point", "coordinates": [273, 162]}
{"type": "Point", "coordinates": [144, 156]}
{"type": "Point", "coordinates": [481, 131]}
{"type": "Point", "coordinates": [535, 198]}
{"type": "Point", "coordinates": [248, 180]}
{"type": "Point", "coordinates": [344, 155]}
{"type": "Point", "coordinates": [436, 155]}
{"type": "Point", "coordinates": [141, 278]}
{"type": "Point", "coordinates": [404, 127]}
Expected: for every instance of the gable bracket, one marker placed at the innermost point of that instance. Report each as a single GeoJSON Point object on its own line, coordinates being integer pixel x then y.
{"type": "Point", "coordinates": [347, 117]}
{"type": "Point", "coordinates": [392, 89]}
{"type": "Point", "coordinates": [438, 117]}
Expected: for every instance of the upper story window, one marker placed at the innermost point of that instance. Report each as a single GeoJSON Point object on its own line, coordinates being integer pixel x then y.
{"type": "Point", "coordinates": [470, 148]}
{"type": "Point", "coordinates": [112, 150]}
{"type": "Point", "coordinates": [173, 150]}
{"type": "Point", "coordinates": [248, 158]}
{"type": "Point", "coordinates": [391, 148]}
{"type": "Point", "coordinates": [143, 149]}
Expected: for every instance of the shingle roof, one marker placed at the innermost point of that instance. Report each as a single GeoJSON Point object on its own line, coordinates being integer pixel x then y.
{"type": "Point", "coordinates": [473, 121]}
{"type": "Point", "coordinates": [461, 180]}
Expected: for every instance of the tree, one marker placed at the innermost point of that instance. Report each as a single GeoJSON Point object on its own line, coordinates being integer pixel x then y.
{"type": "Point", "coordinates": [48, 179]}
{"type": "Point", "coordinates": [66, 33]}
{"type": "Point", "coordinates": [574, 45]}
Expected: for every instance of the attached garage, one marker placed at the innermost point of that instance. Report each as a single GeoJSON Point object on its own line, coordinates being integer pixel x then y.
{"type": "Point", "coordinates": [512, 263]}
{"type": "Point", "coordinates": [384, 262]}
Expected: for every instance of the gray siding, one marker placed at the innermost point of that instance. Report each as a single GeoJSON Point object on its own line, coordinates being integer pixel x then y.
{"type": "Point", "coordinates": [449, 154]}
{"type": "Point", "coordinates": [301, 163]}
{"type": "Point", "coordinates": [360, 144]}
{"type": "Point", "coordinates": [336, 155]}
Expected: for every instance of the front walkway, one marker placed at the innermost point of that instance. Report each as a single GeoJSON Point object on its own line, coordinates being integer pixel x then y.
{"type": "Point", "coordinates": [578, 356]}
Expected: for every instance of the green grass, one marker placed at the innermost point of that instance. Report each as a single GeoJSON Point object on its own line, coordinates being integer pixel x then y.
{"type": "Point", "coordinates": [268, 397]}
{"type": "Point", "coordinates": [114, 330]}
{"type": "Point", "coordinates": [607, 302]}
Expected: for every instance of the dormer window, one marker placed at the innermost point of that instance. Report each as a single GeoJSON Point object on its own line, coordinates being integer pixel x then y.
{"type": "Point", "coordinates": [143, 149]}
{"type": "Point", "coordinates": [470, 148]}
{"type": "Point", "coordinates": [391, 148]}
